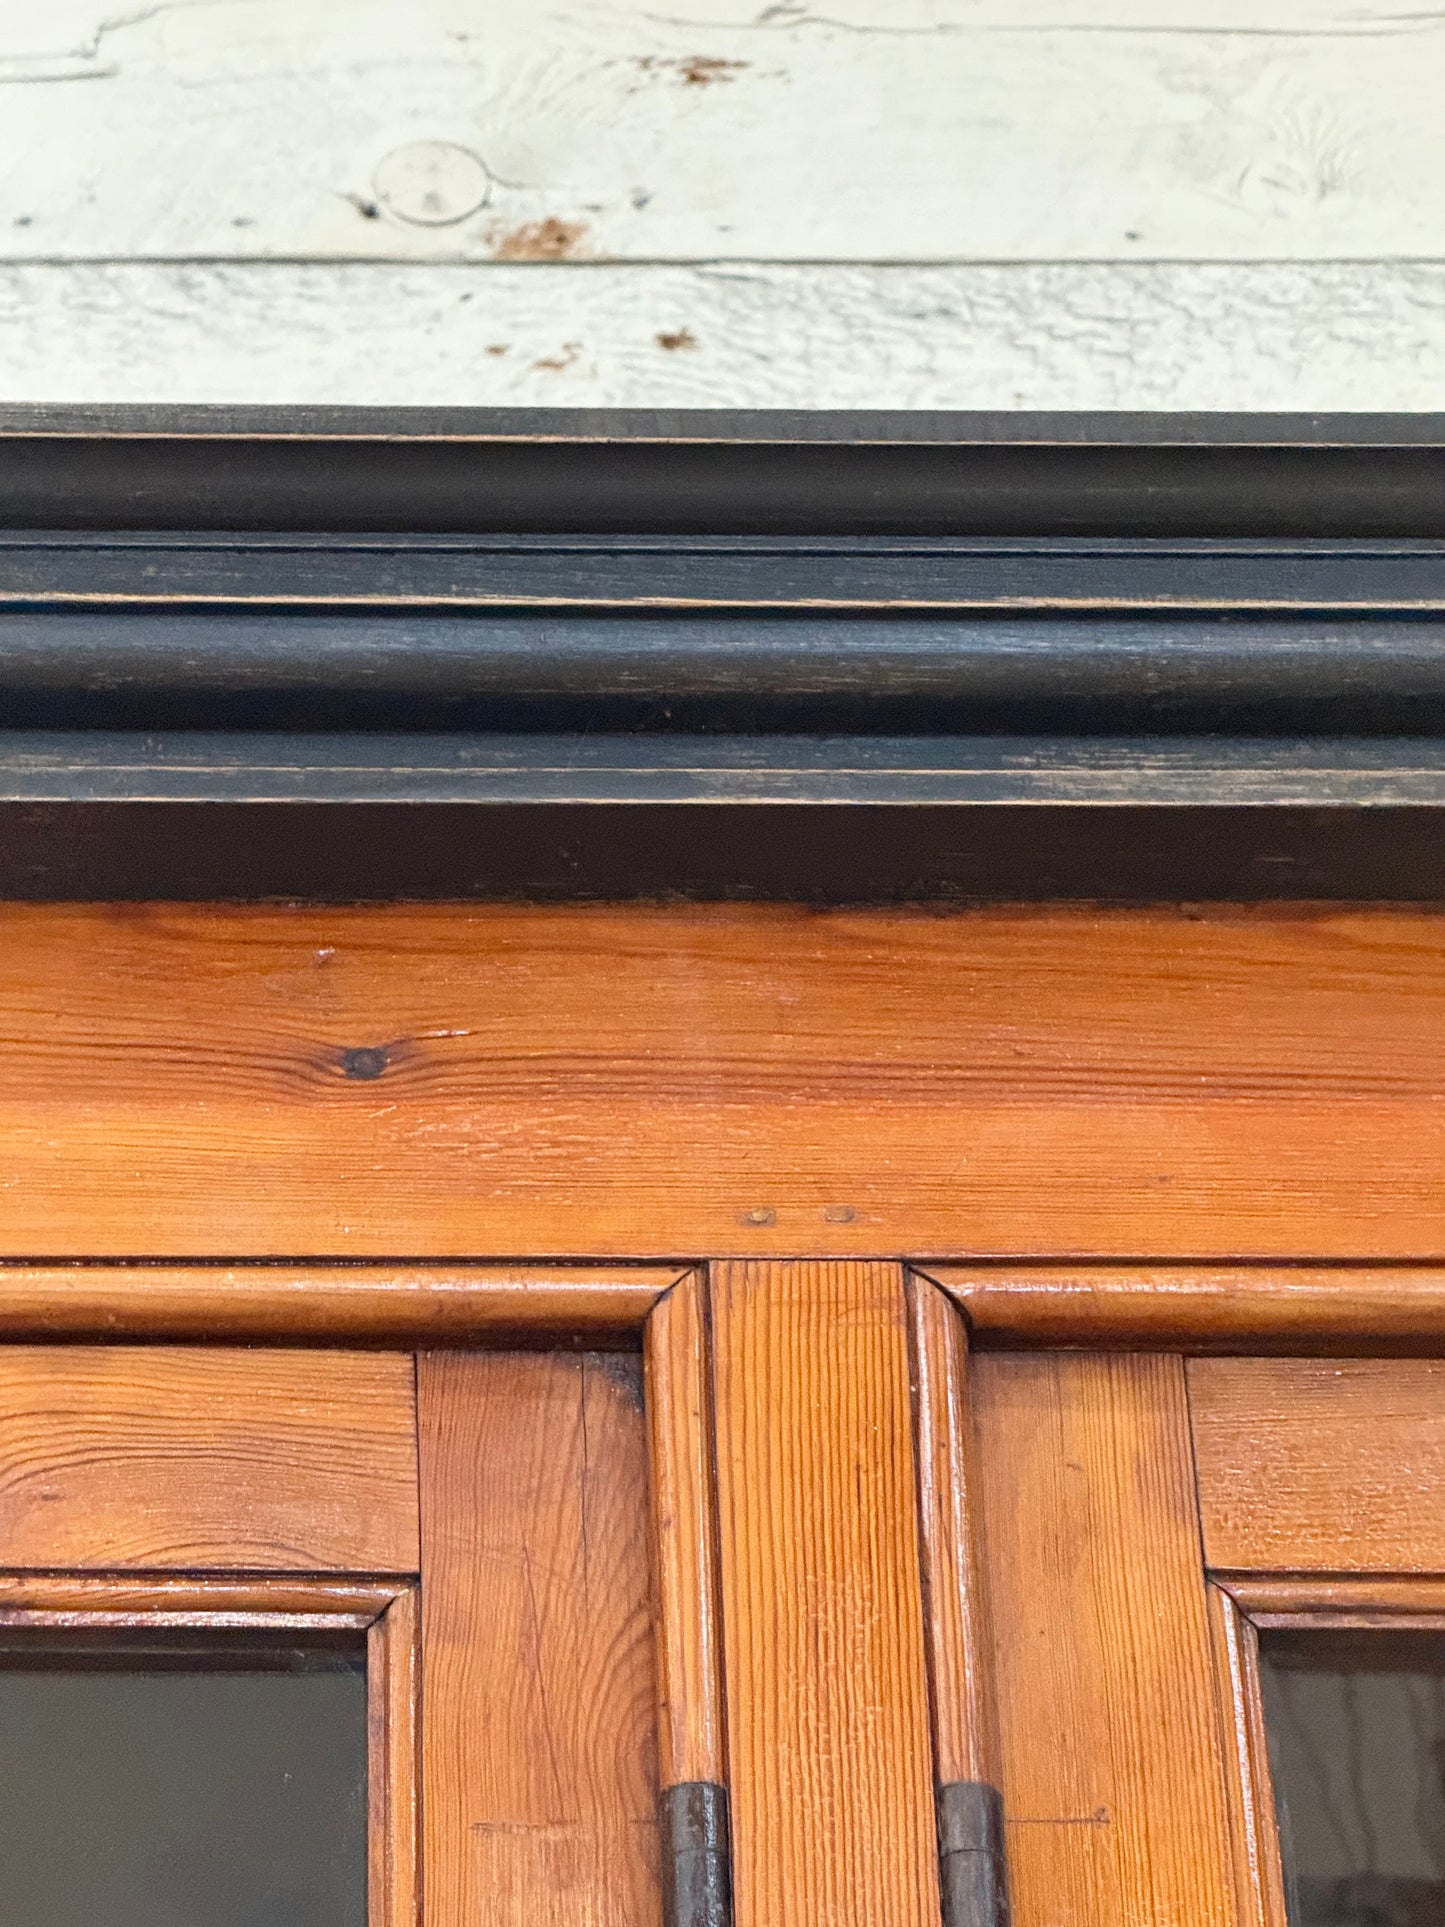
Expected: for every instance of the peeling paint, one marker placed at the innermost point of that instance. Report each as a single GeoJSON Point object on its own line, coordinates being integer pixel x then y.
{"type": "Point", "coordinates": [1185, 130]}
{"type": "Point", "coordinates": [84, 60]}
{"type": "Point", "coordinates": [547, 240]}
{"type": "Point", "coordinates": [565, 358]}
{"type": "Point", "coordinates": [694, 70]}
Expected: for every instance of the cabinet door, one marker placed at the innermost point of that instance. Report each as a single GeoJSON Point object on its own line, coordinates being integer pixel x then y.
{"type": "Point", "coordinates": [207, 1637]}
{"type": "Point", "coordinates": [1217, 1596]}
{"type": "Point", "coordinates": [338, 1638]}
{"type": "Point", "coordinates": [1322, 1508]}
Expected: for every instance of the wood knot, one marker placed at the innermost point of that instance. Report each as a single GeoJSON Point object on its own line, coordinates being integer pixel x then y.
{"type": "Point", "coordinates": [366, 1064]}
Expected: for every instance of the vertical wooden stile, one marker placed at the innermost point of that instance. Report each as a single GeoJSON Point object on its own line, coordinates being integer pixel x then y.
{"type": "Point", "coordinates": [1259, 1875]}
{"type": "Point", "coordinates": [1111, 1747]}
{"type": "Point", "coordinates": [691, 1732]}
{"type": "Point", "coordinates": [394, 1766]}
{"type": "Point", "coordinates": [956, 1613]}
{"type": "Point", "coordinates": [539, 1684]}
{"type": "Point", "coordinates": [822, 1599]}
{"type": "Point", "coordinates": [970, 1812]}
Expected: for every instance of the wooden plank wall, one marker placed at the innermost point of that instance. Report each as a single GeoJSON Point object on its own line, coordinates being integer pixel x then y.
{"type": "Point", "coordinates": [874, 202]}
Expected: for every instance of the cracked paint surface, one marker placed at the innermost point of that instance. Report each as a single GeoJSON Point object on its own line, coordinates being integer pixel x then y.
{"type": "Point", "coordinates": [851, 131]}
{"type": "Point", "coordinates": [1309, 336]}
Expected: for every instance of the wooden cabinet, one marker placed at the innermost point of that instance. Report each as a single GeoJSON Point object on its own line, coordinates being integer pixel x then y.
{"type": "Point", "coordinates": [750, 1383]}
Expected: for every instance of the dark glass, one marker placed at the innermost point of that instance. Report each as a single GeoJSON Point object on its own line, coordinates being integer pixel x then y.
{"type": "Point", "coordinates": [182, 1786]}
{"type": "Point", "coordinates": [1356, 1725]}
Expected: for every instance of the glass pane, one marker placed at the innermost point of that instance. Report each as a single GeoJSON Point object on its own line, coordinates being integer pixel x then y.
{"type": "Point", "coordinates": [1356, 1725]}
{"type": "Point", "coordinates": [181, 1785]}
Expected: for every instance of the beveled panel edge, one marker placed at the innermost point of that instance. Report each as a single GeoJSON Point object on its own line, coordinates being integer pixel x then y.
{"type": "Point", "coordinates": [1385, 1309]}
{"type": "Point", "coordinates": [250, 1601]}
{"type": "Point", "coordinates": [1346, 1601]}
{"type": "Point", "coordinates": [402, 1306]}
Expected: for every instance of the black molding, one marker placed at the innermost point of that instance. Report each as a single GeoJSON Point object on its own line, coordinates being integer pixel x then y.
{"type": "Point", "coordinates": [103, 766]}
{"type": "Point", "coordinates": [546, 655]}
{"type": "Point", "coordinates": [700, 471]}
{"type": "Point", "coordinates": [858, 636]}
{"type": "Point", "coordinates": [943, 858]}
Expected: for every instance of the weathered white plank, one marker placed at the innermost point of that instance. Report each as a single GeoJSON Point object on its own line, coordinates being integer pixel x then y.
{"type": "Point", "coordinates": [1325, 337]}
{"type": "Point", "coordinates": [689, 130]}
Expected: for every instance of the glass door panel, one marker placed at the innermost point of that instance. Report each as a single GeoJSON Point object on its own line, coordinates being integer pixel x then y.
{"type": "Point", "coordinates": [1356, 1731]}
{"type": "Point", "coordinates": [184, 1782]}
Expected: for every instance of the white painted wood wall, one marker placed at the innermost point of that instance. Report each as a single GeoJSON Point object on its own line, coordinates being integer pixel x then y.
{"type": "Point", "coordinates": [890, 203]}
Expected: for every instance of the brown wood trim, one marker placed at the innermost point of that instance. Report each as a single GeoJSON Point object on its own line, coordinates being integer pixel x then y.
{"type": "Point", "coordinates": [1377, 1600]}
{"type": "Point", "coordinates": [692, 1738]}
{"type": "Point", "coordinates": [394, 1764]}
{"type": "Point", "coordinates": [954, 1599]}
{"type": "Point", "coordinates": [1249, 1787]}
{"type": "Point", "coordinates": [394, 1305]}
{"type": "Point", "coordinates": [1202, 1308]}
{"type": "Point", "coordinates": [183, 1599]}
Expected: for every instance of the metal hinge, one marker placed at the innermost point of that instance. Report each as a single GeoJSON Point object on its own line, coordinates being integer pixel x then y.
{"type": "Point", "coordinates": [697, 1885]}
{"type": "Point", "coordinates": [973, 1873]}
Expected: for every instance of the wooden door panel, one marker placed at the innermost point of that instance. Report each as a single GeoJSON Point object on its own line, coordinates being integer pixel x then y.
{"type": "Point", "coordinates": [1113, 1769]}
{"type": "Point", "coordinates": [1321, 1465]}
{"type": "Point", "coordinates": [168, 1458]}
{"type": "Point", "coordinates": [539, 1679]}
{"type": "Point", "coordinates": [817, 1503]}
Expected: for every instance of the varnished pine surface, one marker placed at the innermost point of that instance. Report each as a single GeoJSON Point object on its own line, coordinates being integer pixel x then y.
{"type": "Point", "coordinates": [393, 1689]}
{"type": "Point", "coordinates": [539, 1730]}
{"type": "Point", "coordinates": [691, 1726]}
{"type": "Point", "coordinates": [960, 1646]}
{"type": "Point", "coordinates": [833, 1817]}
{"type": "Point", "coordinates": [436, 1081]}
{"type": "Point", "coordinates": [396, 1305]}
{"type": "Point", "coordinates": [1113, 1772]}
{"type": "Point", "coordinates": [1259, 1874]}
{"type": "Point", "coordinates": [1321, 1465]}
{"type": "Point", "coordinates": [1202, 1308]}
{"type": "Point", "coordinates": [151, 1457]}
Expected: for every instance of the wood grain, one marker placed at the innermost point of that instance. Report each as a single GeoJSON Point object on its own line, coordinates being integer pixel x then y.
{"type": "Point", "coordinates": [1113, 1769]}
{"type": "Point", "coordinates": [831, 1777]}
{"type": "Point", "coordinates": [1312, 1465]}
{"type": "Point", "coordinates": [191, 1599]}
{"type": "Point", "coordinates": [959, 1638]}
{"type": "Point", "coordinates": [745, 1080]}
{"type": "Point", "coordinates": [1259, 1875]}
{"type": "Point", "coordinates": [157, 1458]}
{"type": "Point", "coordinates": [393, 1684]}
{"type": "Point", "coordinates": [616, 132]}
{"type": "Point", "coordinates": [691, 1728]}
{"type": "Point", "coordinates": [1383, 1599]}
{"type": "Point", "coordinates": [539, 1685]}
{"type": "Point", "coordinates": [396, 1305]}
{"type": "Point", "coordinates": [1202, 1308]}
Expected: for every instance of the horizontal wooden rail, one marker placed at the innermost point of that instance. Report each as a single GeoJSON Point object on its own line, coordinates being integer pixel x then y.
{"type": "Point", "coordinates": [431, 1305]}
{"type": "Point", "coordinates": [1202, 1308]}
